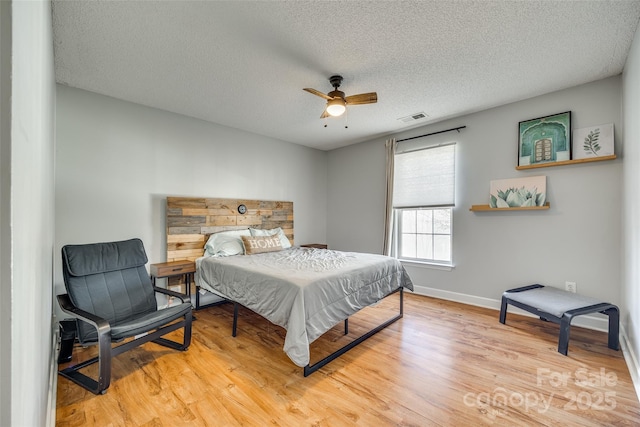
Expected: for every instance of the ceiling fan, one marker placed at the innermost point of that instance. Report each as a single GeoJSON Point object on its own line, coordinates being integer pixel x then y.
{"type": "Point", "coordinates": [337, 102]}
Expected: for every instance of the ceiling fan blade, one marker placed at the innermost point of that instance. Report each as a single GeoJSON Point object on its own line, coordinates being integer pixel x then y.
{"type": "Point", "coordinates": [324, 114]}
{"type": "Point", "coordinates": [363, 98]}
{"type": "Point", "coordinates": [318, 93]}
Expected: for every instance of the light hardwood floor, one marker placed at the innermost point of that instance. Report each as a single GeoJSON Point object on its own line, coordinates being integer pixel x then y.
{"type": "Point", "coordinates": [442, 364]}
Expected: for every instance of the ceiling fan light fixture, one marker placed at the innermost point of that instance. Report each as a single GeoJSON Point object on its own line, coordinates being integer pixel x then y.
{"type": "Point", "coordinates": [337, 101]}
{"type": "Point", "coordinates": [336, 107]}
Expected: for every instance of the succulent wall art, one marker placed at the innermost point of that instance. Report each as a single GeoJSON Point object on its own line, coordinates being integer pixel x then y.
{"type": "Point", "coordinates": [518, 192]}
{"type": "Point", "coordinates": [594, 141]}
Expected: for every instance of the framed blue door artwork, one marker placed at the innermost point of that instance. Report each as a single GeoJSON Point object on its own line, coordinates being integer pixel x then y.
{"type": "Point", "coordinates": [545, 139]}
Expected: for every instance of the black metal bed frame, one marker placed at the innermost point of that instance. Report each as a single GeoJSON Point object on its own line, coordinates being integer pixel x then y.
{"type": "Point", "coordinates": [311, 368]}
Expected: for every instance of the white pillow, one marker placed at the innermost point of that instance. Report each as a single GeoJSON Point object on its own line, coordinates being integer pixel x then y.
{"type": "Point", "coordinates": [284, 241]}
{"type": "Point", "coordinates": [226, 243]}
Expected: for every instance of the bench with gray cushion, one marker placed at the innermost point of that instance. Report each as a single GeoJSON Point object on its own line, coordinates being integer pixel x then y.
{"type": "Point", "coordinates": [561, 307]}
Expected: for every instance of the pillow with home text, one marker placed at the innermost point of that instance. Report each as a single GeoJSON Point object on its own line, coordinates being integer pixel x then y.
{"type": "Point", "coordinates": [260, 244]}
{"type": "Point", "coordinates": [274, 231]}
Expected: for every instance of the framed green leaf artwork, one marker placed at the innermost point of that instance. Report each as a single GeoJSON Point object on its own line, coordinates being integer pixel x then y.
{"type": "Point", "coordinates": [594, 141]}
{"type": "Point", "coordinates": [545, 139]}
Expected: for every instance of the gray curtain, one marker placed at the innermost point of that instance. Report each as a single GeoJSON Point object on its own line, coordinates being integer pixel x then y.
{"type": "Point", "coordinates": [390, 145]}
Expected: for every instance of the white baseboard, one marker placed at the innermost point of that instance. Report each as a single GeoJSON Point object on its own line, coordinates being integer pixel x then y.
{"type": "Point", "coordinates": [631, 358]}
{"type": "Point", "coordinates": [596, 322]}
{"type": "Point", "coordinates": [53, 376]}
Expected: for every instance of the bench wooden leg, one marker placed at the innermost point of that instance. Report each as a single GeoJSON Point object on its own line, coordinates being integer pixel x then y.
{"type": "Point", "coordinates": [613, 335]}
{"type": "Point", "coordinates": [614, 327]}
{"type": "Point", "coordinates": [503, 310]}
{"type": "Point", "coordinates": [565, 329]}
{"type": "Point", "coordinates": [604, 308]}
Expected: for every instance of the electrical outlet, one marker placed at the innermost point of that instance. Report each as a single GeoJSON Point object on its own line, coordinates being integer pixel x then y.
{"type": "Point", "coordinates": [571, 286]}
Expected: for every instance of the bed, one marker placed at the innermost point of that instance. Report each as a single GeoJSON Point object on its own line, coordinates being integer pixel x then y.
{"type": "Point", "coordinates": [307, 291]}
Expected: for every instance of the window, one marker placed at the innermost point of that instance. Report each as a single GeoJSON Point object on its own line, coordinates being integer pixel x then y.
{"type": "Point", "coordinates": [425, 234]}
{"type": "Point", "coordinates": [423, 200]}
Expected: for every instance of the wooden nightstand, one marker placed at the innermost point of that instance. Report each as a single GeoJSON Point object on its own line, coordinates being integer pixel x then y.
{"type": "Point", "coordinates": [315, 245]}
{"type": "Point", "coordinates": [183, 268]}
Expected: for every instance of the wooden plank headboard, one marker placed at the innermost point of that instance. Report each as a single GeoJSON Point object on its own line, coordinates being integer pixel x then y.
{"type": "Point", "coordinates": [190, 221]}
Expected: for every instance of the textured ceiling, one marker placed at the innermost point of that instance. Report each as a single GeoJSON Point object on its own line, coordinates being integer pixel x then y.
{"type": "Point", "coordinates": [243, 64]}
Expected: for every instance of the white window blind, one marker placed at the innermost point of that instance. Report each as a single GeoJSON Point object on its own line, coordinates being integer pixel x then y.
{"type": "Point", "coordinates": [425, 177]}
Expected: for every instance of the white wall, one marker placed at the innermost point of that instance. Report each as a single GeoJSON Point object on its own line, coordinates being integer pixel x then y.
{"type": "Point", "coordinates": [578, 239]}
{"type": "Point", "coordinates": [30, 223]}
{"type": "Point", "coordinates": [631, 207]}
{"type": "Point", "coordinates": [356, 189]}
{"type": "Point", "coordinates": [117, 162]}
{"type": "Point", "coordinates": [5, 213]}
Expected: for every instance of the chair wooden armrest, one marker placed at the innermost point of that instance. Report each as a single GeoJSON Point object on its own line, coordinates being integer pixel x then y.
{"type": "Point", "coordinates": [183, 297]}
{"type": "Point", "coordinates": [99, 323]}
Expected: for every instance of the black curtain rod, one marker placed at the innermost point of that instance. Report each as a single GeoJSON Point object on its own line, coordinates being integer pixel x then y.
{"type": "Point", "coordinates": [433, 133]}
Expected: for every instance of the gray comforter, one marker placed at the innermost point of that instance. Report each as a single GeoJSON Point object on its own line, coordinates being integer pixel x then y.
{"type": "Point", "coordinates": [306, 291]}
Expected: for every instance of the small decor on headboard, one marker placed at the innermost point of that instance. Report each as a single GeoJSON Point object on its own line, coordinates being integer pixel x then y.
{"type": "Point", "coordinates": [190, 221]}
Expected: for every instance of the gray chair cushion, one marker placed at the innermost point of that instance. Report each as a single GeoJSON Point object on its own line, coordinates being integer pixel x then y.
{"type": "Point", "coordinates": [150, 321]}
{"type": "Point", "coordinates": [83, 260]}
